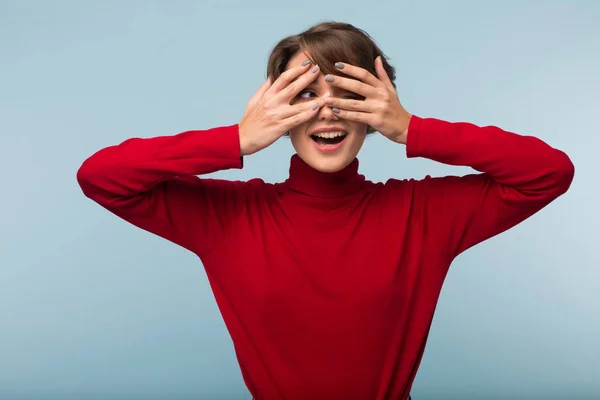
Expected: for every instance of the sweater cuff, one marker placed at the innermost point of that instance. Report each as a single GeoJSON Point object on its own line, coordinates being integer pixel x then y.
{"type": "Point", "coordinates": [413, 143]}
{"type": "Point", "coordinates": [430, 138]}
{"type": "Point", "coordinates": [227, 146]}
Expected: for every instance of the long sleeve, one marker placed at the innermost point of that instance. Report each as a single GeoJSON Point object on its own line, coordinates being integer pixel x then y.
{"type": "Point", "coordinates": [519, 175]}
{"type": "Point", "coordinates": [152, 183]}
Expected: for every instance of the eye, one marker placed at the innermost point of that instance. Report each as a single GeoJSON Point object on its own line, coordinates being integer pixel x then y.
{"type": "Point", "coordinates": [303, 94]}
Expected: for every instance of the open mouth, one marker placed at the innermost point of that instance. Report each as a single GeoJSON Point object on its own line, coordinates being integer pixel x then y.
{"type": "Point", "coordinates": [329, 138]}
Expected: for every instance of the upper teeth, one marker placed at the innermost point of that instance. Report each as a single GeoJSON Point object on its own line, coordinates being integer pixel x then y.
{"type": "Point", "coordinates": [330, 135]}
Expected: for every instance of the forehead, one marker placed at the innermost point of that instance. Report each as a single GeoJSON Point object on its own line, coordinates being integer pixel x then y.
{"type": "Point", "coordinates": [297, 59]}
{"type": "Point", "coordinates": [320, 82]}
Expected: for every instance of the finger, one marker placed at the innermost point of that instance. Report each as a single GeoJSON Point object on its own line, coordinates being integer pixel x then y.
{"type": "Point", "coordinates": [351, 85]}
{"type": "Point", "coordinates": [359, 73]}
{"type": "Point", "coordinates": [261, 91]}
{"type": "Point", "coordinates": [288, 76]}
{"type": "Point", "coordinates": [350, 105]}
{"type": "Point", "coordinates": [292, 90]}
{"type": "Point", "coordinates": [289, 111]}
{"type": "Point", "coordinates": [298, 84]}
{"type": "Point", "coordinates": [358, 116]}
{"type": "Point", "coordinates": [294, 120]}
{"type": "Point", "coordinates": [382, 73]}
{"type": "Point", "coordinates": [265, 86]}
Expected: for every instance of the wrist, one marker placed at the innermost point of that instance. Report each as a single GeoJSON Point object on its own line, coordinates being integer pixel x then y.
{"type": "Point", "coordinates": [402, 137]}
{"type": "Point", "coordinates": [244, 145]}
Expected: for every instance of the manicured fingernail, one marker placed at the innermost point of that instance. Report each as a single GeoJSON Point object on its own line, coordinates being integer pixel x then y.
{"type": "Point", "coordinates": [305, 63]}
{"type": "Point", "coordinates": [335, 110]}
{"type": "Point", "coordinates": [315, 106]}
{"type": "Point", "coordinates": [339, 65]}
{"type": "Point", "coordinates": [315, 69]}
{"type": "Point", "coordinates": [329, 78]}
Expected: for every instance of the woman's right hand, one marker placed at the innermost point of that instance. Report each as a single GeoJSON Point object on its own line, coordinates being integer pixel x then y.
{"type": "Point", "coordinates": [269, 114]}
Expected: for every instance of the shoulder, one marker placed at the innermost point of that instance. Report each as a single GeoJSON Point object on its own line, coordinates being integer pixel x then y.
{"type": "Point", "coordinates": [392, 186]}
{"type": "Point", "coordinates": [395, 190]}
{"type": "Point", "coordinates": [218, 186]}
{"type": "Point", "coordinates": [436, 189]}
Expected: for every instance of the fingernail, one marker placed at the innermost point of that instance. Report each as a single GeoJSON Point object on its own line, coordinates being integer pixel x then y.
{"type": "Point", "coordinates": [335, 110]}
{"type": "Point", "coordinates": [315, 69]}
{"type": "Point", "coordinates": [339, 65]}
{"type": "Point", "coordinates": [329, 78]}
{"type": "Point", "coordinates": [315, 106]}
{"type": "Point", "coordinates": [305, 63]}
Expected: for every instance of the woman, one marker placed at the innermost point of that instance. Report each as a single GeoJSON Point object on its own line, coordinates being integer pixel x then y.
{"type": "Point", "coordinates": [327, 282]}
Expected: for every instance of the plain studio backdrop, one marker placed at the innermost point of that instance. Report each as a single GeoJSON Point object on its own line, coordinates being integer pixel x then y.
{"type": "Point", "coordinates": [94, 308]}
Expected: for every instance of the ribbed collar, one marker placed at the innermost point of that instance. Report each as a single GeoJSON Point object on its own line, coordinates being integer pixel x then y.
{"type": "Point", "coordinates": [305, 179]}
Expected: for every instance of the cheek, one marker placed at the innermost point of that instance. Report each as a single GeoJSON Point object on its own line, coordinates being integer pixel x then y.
{"type": "Point", "coordinates": [298, 130]}
{"type": "Point", "coordinates": [359, 128]}
{"type": "Point", "coordinates": [295, 132]}
{"type": "Point", "coordinates": [297, 135]}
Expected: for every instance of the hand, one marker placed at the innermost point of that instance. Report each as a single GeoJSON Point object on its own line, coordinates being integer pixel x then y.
{"type": "Point", "coordinates": [381, 108]}
{"type": "Point", "coordinates": [269, 114]}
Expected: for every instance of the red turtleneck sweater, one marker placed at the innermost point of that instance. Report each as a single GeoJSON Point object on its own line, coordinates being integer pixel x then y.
{"type": "Point", "coordinates": [327, 282]}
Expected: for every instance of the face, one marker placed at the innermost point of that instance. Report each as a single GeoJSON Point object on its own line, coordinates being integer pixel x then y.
{"type": "Point", "coordinates": [325, 142]}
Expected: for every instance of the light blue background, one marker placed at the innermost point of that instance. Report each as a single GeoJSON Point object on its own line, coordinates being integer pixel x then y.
{"type": "Point", "coordinates": [93, 308]}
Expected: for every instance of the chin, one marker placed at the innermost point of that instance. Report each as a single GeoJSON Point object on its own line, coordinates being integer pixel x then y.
{"type": "Point", "coordinates": [329, 155]}
{"type": "Point", "coordinates": [327, 164]}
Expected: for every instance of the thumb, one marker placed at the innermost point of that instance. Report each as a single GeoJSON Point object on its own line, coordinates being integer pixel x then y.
{"type": "Point", "coordinates": [382, 74]}
{"type": "Point", "coordinates": [261, 90]}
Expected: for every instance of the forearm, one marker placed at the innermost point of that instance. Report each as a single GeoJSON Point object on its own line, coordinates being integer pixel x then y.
{"type": "Point", "coordinates": [523, 162]}
{"type": "Point", "coordinates": [137, 165]}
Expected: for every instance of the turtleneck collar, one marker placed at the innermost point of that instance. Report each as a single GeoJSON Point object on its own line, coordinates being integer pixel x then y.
{"type": "Point", "coordinates": [305, 179]}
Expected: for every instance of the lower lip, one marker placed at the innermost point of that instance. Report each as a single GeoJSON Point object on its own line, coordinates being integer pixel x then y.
{"type": "Point", "coordinates": [328, 148]}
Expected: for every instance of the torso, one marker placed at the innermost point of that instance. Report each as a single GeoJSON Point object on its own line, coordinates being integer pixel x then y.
{"type": "Point", "coordinates": [327, 286]}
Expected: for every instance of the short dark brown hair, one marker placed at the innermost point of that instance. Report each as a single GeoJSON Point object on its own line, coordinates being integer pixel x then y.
{"type": "Point", "coordinates": [327, 43]}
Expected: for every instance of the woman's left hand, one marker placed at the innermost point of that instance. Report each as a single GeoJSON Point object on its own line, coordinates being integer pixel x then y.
{"type": "Point", "coordinates": [381, 108]}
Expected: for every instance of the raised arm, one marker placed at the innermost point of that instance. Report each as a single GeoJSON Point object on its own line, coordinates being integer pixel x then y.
{"type": "Point", "coordinates": [519, 176]}
{"type": "Point", "coordinates": [152, 184]}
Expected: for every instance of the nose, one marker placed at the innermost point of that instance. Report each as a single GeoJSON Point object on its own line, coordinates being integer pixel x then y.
{"type": "Point", "coordinates": [326, 112]}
